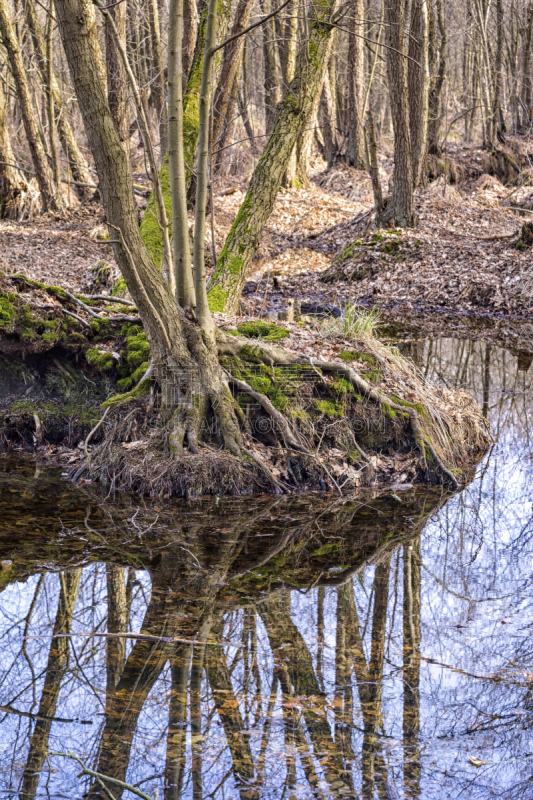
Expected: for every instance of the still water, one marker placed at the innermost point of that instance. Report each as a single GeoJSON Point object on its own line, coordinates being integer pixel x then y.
{"type": "Point", "coordinates": [369, 647]}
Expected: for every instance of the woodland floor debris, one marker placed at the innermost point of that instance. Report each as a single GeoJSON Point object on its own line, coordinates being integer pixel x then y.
{"type": "Point", "coordinates": [462, 256]}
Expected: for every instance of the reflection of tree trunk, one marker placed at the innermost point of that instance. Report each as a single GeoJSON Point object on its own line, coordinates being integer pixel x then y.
{"type": "Point", "coordinates": [197, 671]}
{"type": "Point", "coordinates": [370, 681]}
{"type": "Point", "coordinates": [343, 675]}
{"type": "Point", "coordinates": [230, 716]}
{"type": "Point", "coordinates": [177, 722]}
{"type": "Point", "coordinates": [55, 670]}
{"type": "Point", "coordinates": [486, 380]}
{"type": "Point", "coordinates": [411, 666]}
{"type": "Point", "coordinates": [294, 667]}
{"type": "Point", "coordinates": [117, 622]}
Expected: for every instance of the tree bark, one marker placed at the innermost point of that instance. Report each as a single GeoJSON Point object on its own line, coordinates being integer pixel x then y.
{"type": "Point", "coordinates": [49, 193]}
{"type": "Point", "coordinates": [294, 114]}
{"type": "Point", "coordinates": [436, 86]}
{"type": "Point", "coordinates": [271, 66]}
{"type": "Point", "coordinates": [400, 209]}
{"type": "Point", "coordinates": [184, 359]}
{"type": "Point", "coordinates": [14, 199]}
{"type": "Point", "coordinates": [176, 162]}
{"type": "Point", "coordinates": [225, 95]}
{"type": "Point", "coordinates": [117, 87]}
{"type": "Point", "coordinates": [355, 153]}
{"type": "Point", "coordinates": [76, 160]}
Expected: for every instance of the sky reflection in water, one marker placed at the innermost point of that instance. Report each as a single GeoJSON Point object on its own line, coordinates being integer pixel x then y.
{"type": "Point", "coordinates": [339, 653]}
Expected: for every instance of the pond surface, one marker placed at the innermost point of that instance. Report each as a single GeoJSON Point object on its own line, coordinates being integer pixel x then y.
{"type": "Point", "coordinates": [372, 647]}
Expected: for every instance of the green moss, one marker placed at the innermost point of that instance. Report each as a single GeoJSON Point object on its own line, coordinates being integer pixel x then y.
{"type": "Point", "coordinates": [329, 408]}
{"type": "Point", "coordinates": [333, 547]}
{"type": "Point", "coordinates": [119, 288]}
{"type": "Point", "coordinates": [268, 331]}
{"type": "Point", "coordinates": [390, 412]}
{"type": "Point", "coordinates": [341, 385]}
{"type": "Point", "coordinates": [418, 406]}
{"type": "Point", "coordinates": [150, 230]}
{"type": "Point", "coordinates": [216, 298]}
{"type": "Point", "coordinates": [101, 360]}
{"type": "Point", "coordinates": [120, 399]}
{"type": "Point", "coordinates": [7, 311]}
{"type": "Point", "coordinates": [354, 355]}
{"type": "Point", "coordinates": [50, 338]}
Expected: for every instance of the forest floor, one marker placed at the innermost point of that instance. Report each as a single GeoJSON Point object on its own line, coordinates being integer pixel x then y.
{"type": "Point", "coordinates": [462, 257]}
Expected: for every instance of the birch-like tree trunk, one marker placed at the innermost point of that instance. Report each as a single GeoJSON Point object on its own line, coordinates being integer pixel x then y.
{"type": "Point", "coordinates": [294, 114]}
{"type": "Point", "coordinates": [49, 191]}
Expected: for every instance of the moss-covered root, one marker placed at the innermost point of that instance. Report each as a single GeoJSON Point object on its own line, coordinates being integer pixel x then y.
{"type": "Point", "coordinates": [237, 347]}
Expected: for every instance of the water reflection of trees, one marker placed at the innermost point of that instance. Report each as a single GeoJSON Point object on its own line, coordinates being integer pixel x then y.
{"type": "Point", "coordinates": [245, 706]}
{"type": "Point", "coordinates": [334, 652]}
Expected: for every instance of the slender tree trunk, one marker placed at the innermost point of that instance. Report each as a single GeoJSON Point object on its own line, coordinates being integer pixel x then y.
{"type": "Point", "coordinates": [436, 86]}
{"type": "Point", "coordinates": [418, 82]}
{"type": "Point", "coordinates": [190, 31]}
{"type": "Point", "coordinates": [400, 209]}
{"type": "Point", "coordinates": [225, 94]}
{"type": "Point", "coordinates": [49, 193]}
{"type": "Point", "coordinates": [526, 89]}
{"type": "Point", "coordinates": [117, 88]}
{"type": "Point", "coordinates": [202, 306]}
{"type": "Point", "coordinates": [355, 153]}
{"type": "Point", "coordinates": [117, 622]}
{"type": "Point", "coordinates": [294, 114]}
{"type": "Point", "coordinates": [272, 67]}
{"type": "Point", "coordinates": [158, 80]}
{"type": "Point", "coordinates": [14, 199]}
{"type": "Point", "coordinates": [52, 141]}
{"type": "Point", "coordinates": [176, 162]}
{"type": "Point", "coordinates": [176, 760]}
{"type": "Point", "coordinates": [328, 125]}
{"type": "Point", "coordinates": [497, 118]}
{"type": "Point", "coordinates": [411, 666]}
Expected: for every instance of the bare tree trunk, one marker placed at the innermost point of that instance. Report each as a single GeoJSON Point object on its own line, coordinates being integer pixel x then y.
{"type": "Point", "coordinates": [49, 193]}
{"type": "Point", "coordinates": [14, 199]}
{"type": "Point", "coordinates": [436, 86]}
{"type": "Point", "coordinates": [497, 117]}
{"type": "Point", "coordinates": [117, 622]}
{"type": "Point", "coordinates": [418, 82]}
{"type": "Point", "coordinates": [190, 31]}
{"type": "Point", "coordinates": [176, 161]}
{"type": "Point", "coordinates": [175, 761]}
{"type": "Point", "coordinates": [400, 209]}
{"type": "Point", "coordinates": [526, 89]}
{"type": "Point", "coordinates": [52, 141]}
{"type": "Point", "coordinates": [411, 666]}
{"type": "Point", "coordinates": [158, 81]}
{"type": "Point", "coordinates": [294, 115]}
{"type": "Point", "coordinates": [202, 305]}
{"type": "Point", "coordinates": [226, 94]}
{"type": "Point", "coordinates": [355, 152]}
{"type": "Point", "coordinates": [272, 67]}
{"type": "Point", "coordinates": [328, 122]}
{"type": "Point", "coordinates": [117, 88]}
